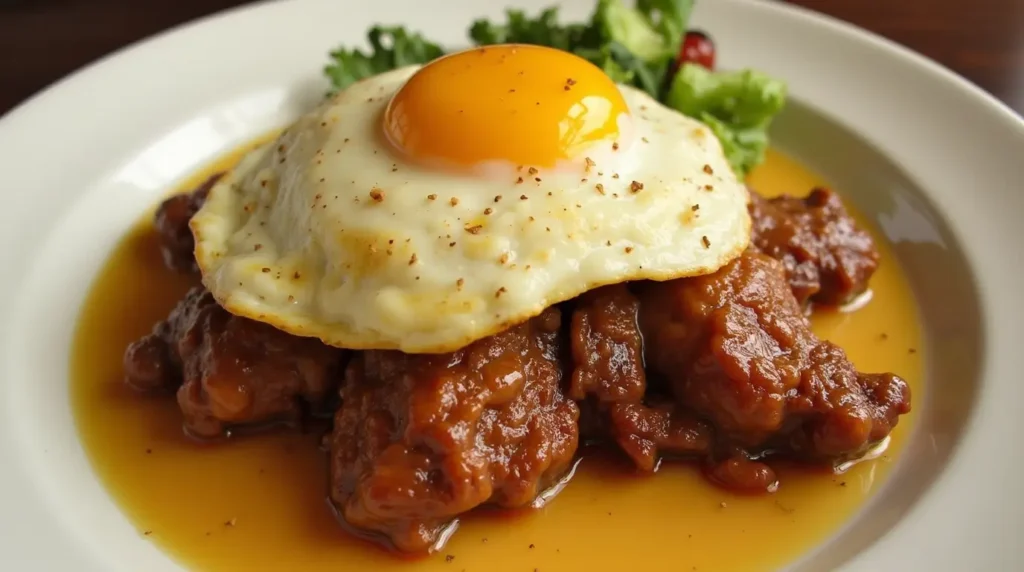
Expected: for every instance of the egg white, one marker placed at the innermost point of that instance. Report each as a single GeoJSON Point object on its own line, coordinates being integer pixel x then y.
{"type": "Point", "coordinates": [327, 232]}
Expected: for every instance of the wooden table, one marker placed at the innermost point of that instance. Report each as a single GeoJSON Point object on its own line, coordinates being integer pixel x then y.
{"type": "Point", "coordinates": [43, 40]}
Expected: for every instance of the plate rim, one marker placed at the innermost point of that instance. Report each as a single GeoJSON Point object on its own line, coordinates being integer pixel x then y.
{"type": "Point", "coordinates": [875, 556]}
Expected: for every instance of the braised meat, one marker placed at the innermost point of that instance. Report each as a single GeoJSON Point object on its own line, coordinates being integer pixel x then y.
{"type": "Point", "coordinates": [649, 431]}
{"type": "Point", "coordinates": [740, 354]}
{"type": "Point", "coordinates": [421, 439]}
{"type": "Point", "coordinates": [827, 257]}
{"type": "Point", "coordinates": [230, 371]}
{"type": "Point", "coordinates": [607, 347]}
{"type": "Point", "coordinates": [176, 242]}
{"type": "Point", "coordinates": [607, 351]}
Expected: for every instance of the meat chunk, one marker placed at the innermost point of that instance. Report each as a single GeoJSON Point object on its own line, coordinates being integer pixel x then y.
{"type": "Point", "coordinates": [177, 244]}
{"type": "Point", "coordinates": [648, 431]}
{"type": "Point", "coordinates": [827, 257]}
{"type": "Point", "coordinates": [607, 351]}
{"type": "Point", "coordinates": [230, 371]}
{"type": "Point", "coordinates": [421, 439]}
{"type": "Point", "coordinates": [607, 347]}
{"type": "Point", "coordinates": [740, 354]}
{"type": "Point", "coordinates": [153, 363]}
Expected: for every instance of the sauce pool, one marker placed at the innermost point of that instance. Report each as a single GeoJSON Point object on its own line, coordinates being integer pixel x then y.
{"type": "Point", "coordinates": [257, 502]}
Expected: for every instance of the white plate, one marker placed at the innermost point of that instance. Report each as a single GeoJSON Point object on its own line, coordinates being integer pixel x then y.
{"type": "Point", "coordinates": [943, 160]}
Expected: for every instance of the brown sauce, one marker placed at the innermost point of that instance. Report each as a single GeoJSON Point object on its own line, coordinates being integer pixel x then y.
{"type": "Point", "coordinates": [258, 502]}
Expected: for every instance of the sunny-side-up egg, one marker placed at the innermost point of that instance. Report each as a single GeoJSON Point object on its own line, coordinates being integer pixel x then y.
{"type": "Point", "coordinates": [428, 207]}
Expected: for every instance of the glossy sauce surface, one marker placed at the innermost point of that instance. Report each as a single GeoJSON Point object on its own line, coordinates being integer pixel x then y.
{"type": "Point", "coordinates": [257, 503]}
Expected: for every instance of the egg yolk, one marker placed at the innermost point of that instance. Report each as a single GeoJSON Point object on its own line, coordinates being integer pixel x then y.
{"type": "Point", "coordinates": [527, 105]}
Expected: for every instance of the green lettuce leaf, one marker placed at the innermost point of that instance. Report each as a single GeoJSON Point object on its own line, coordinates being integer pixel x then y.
{"type": "Point", "coordinates": [391, 47]}
{"type": "Point", "coordinates": [652, 32]}
{"type": "Point", "coordinates": [543, 30]}
{"type": "Point", "coordinates": [738, 106]}
{"type": "Point", "coordinates": [633, 46]}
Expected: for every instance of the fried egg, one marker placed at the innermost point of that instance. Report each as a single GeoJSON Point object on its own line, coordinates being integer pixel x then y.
{"type": "Point", "coordinates": [428, 207]}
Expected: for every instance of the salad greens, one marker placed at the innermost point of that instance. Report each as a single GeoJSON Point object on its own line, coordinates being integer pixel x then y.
{"type": "Point", "coordinates": [632, 45]}
{"type": "Point", "coordinates": [638, 46]}
{"type": "Point", "coordinates": [737, 105]}
{"type": "Point", "coordinates": [391, 47]}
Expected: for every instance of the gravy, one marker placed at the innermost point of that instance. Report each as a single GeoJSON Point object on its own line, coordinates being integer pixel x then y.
{"type": "Point", "coordinates": [258, 502]}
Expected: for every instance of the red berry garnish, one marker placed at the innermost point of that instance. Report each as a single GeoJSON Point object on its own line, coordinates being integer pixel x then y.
{"type": "Point", "coordinates": [698, 48]}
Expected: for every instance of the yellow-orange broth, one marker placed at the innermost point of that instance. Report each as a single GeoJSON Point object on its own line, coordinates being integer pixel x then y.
{"type": "Point", "coordinates": [257, 503]}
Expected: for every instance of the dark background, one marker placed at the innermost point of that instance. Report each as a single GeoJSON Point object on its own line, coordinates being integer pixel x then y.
{"type": "Point", "coordinates": [43, 40]}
